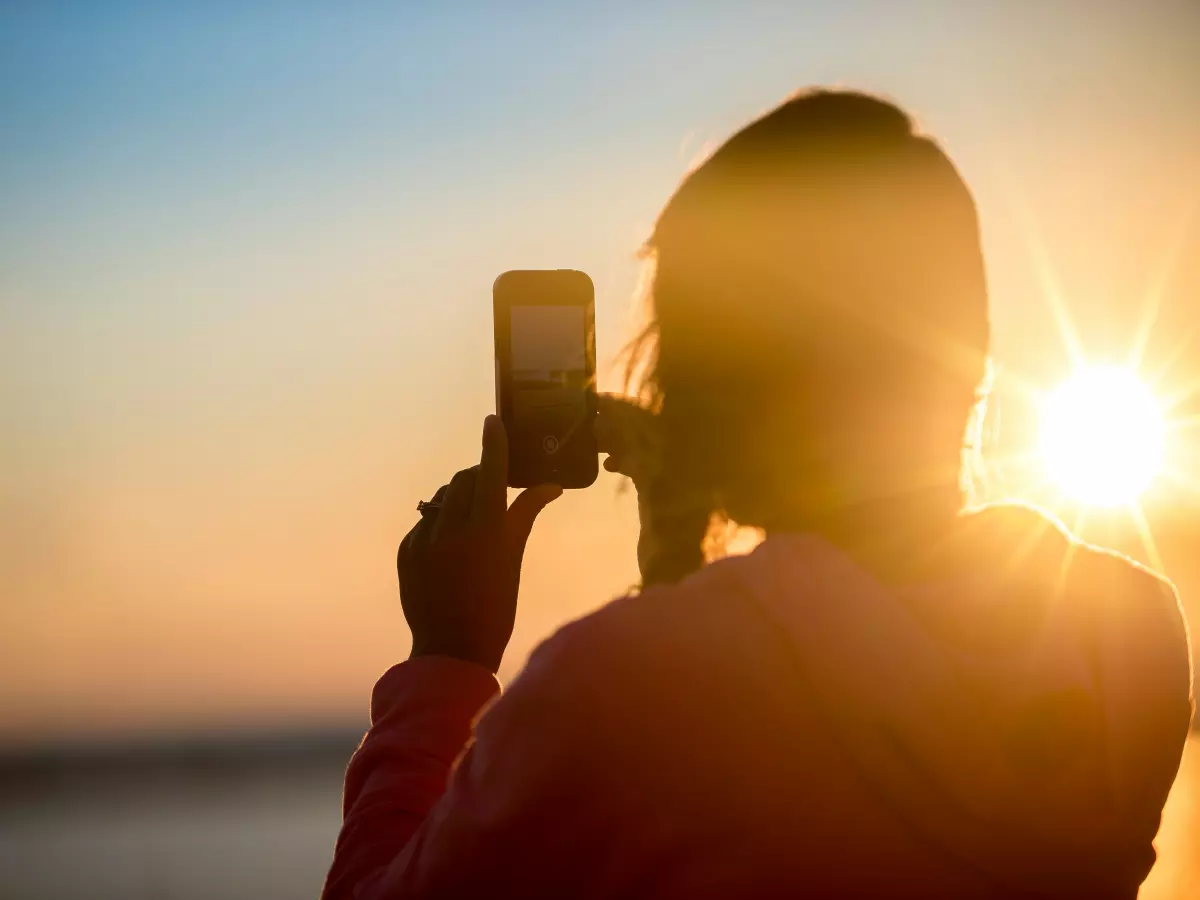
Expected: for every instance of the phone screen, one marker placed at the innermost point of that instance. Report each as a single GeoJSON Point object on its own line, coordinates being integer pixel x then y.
{"type": "Point", "coordinates": [549, 372]}
{"type": "Point", "coordinates": [546, 376]}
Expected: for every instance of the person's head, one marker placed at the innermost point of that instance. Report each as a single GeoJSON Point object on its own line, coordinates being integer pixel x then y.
{"type": "Point", "coordinates": [819, 322]}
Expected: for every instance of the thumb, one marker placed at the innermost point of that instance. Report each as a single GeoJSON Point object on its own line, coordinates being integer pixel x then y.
{"type": "Point", "coordinates": [521, 515]}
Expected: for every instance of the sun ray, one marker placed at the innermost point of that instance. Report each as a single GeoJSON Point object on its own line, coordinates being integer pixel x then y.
{"type": "Point", "coordinates": [1182, 394]}
{"type": "Point", "coordinates": [1044, 270]}
{"type": "Point", "coordinates": [1143, 530]}
{"type": "Point", "coordinates": [1185, 481]}
{"type": "Point", "coordinates": [1080, 523]}
{"type": "Point", "coordinates": [1172, 356]}
{"type": "Point", "coordinates": [1027, 544]}
{"type": "Point", "coordinates": [1075, 533]}
{"type": "Point", "coordinates": [1159, 281]}
{"type": "Point", "coordinates": [1027, 388]}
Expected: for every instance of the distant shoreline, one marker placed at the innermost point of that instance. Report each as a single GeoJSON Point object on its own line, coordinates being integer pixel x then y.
{"type": "Point", "coordinates": [59, 769]}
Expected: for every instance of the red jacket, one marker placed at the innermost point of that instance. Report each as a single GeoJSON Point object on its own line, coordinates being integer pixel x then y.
{"type": "Point", "coordinates": [784, 724]}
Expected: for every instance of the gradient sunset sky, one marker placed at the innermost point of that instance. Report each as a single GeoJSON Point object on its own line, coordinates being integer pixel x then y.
{"type": "Point", "coordinates": [246, 253]}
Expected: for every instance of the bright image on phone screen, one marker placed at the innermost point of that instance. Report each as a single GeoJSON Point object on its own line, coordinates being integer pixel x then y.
{"type": "Point", "coordinates": [549, 375]}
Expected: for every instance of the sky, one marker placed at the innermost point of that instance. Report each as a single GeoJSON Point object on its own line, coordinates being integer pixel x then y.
{"type": "Point", "coordinates": [245, 261]}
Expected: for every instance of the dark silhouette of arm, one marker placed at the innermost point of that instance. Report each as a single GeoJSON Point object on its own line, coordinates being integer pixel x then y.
{"type": "Point", "coordinates": [421, 717]}
{"type": "Point", "coordinates": [517, 815]}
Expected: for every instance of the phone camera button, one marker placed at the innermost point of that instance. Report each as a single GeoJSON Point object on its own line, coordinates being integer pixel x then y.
{"type": "Point", "coordinates": [550, 443]}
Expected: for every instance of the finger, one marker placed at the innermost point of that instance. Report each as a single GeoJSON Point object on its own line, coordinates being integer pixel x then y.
{"type": "Point", "coordinates": [422, 531]}
{"type": "Point", "coordinates": [405, 550]}
{"type": "Point", "coordinates": [491, 486]}
{"type": "Point", "coordinates": [456, 503]}
{"type": "Point", "coordinates": [521, 515]}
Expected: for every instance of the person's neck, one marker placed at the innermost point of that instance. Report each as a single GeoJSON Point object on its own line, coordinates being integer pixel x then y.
{"type": "Point", "coordinates": [889, 534]}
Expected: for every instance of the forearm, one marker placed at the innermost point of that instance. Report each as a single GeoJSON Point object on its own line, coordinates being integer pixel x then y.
{"type": "Point", "coordinates": [422, 713]}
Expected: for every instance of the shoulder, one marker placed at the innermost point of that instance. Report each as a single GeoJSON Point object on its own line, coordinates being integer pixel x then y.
{"type": "Point", "coordinates": [1137, 642]}
{"type": "Point", "coordinates": [1031, 544]}
{"type": "Point", "coordinates": [1127, 614]}
{"type": "Point", "coordinates": [1024, 537]}
{"type": "Point", "coordinates": [674, 613]}
{"type": "Point", "coordinates": [646, 649]}
{"type": "Point", "coordinates": [1130, 608]}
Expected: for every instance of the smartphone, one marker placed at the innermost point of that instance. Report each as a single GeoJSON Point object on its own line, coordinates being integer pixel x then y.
{"type": "Point", "coordinates": [545, 323]}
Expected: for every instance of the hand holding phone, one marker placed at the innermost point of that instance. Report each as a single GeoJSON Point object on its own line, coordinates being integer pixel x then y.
{"type": "Point", "coordinates": [546, 375]}
{"type": "Point", "coordinates": [460, 565]}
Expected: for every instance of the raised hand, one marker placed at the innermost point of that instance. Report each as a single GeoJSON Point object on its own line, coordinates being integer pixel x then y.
{"type": "Point", "coordinates": [460, 565]}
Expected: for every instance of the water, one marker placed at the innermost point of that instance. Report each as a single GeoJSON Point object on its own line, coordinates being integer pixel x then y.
{"type": "Point", "coordinates": [268, 835]}
{"type": "Point", "coordinates": [263, 839]}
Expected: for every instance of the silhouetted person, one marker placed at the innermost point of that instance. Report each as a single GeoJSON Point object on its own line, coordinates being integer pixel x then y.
{"type": "Point", "coordinates": [895, 694]}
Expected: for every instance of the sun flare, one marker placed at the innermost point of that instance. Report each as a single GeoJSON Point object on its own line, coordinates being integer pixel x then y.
{"type": "Point", "coordinates": [1102, 436]}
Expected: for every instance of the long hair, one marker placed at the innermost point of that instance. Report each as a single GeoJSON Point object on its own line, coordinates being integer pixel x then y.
{"type": "Point", "coordinates": [818, 327]}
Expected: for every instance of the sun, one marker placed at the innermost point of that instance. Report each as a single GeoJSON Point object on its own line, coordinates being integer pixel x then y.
{"type": "Point", "coordinates": [1102, 436]}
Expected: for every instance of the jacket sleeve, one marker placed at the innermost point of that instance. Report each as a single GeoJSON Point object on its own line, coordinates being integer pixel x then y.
{"type": "Point", "coordinates": [516, 817]}
{"type": "Point", "coordinates": [421, 716]}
